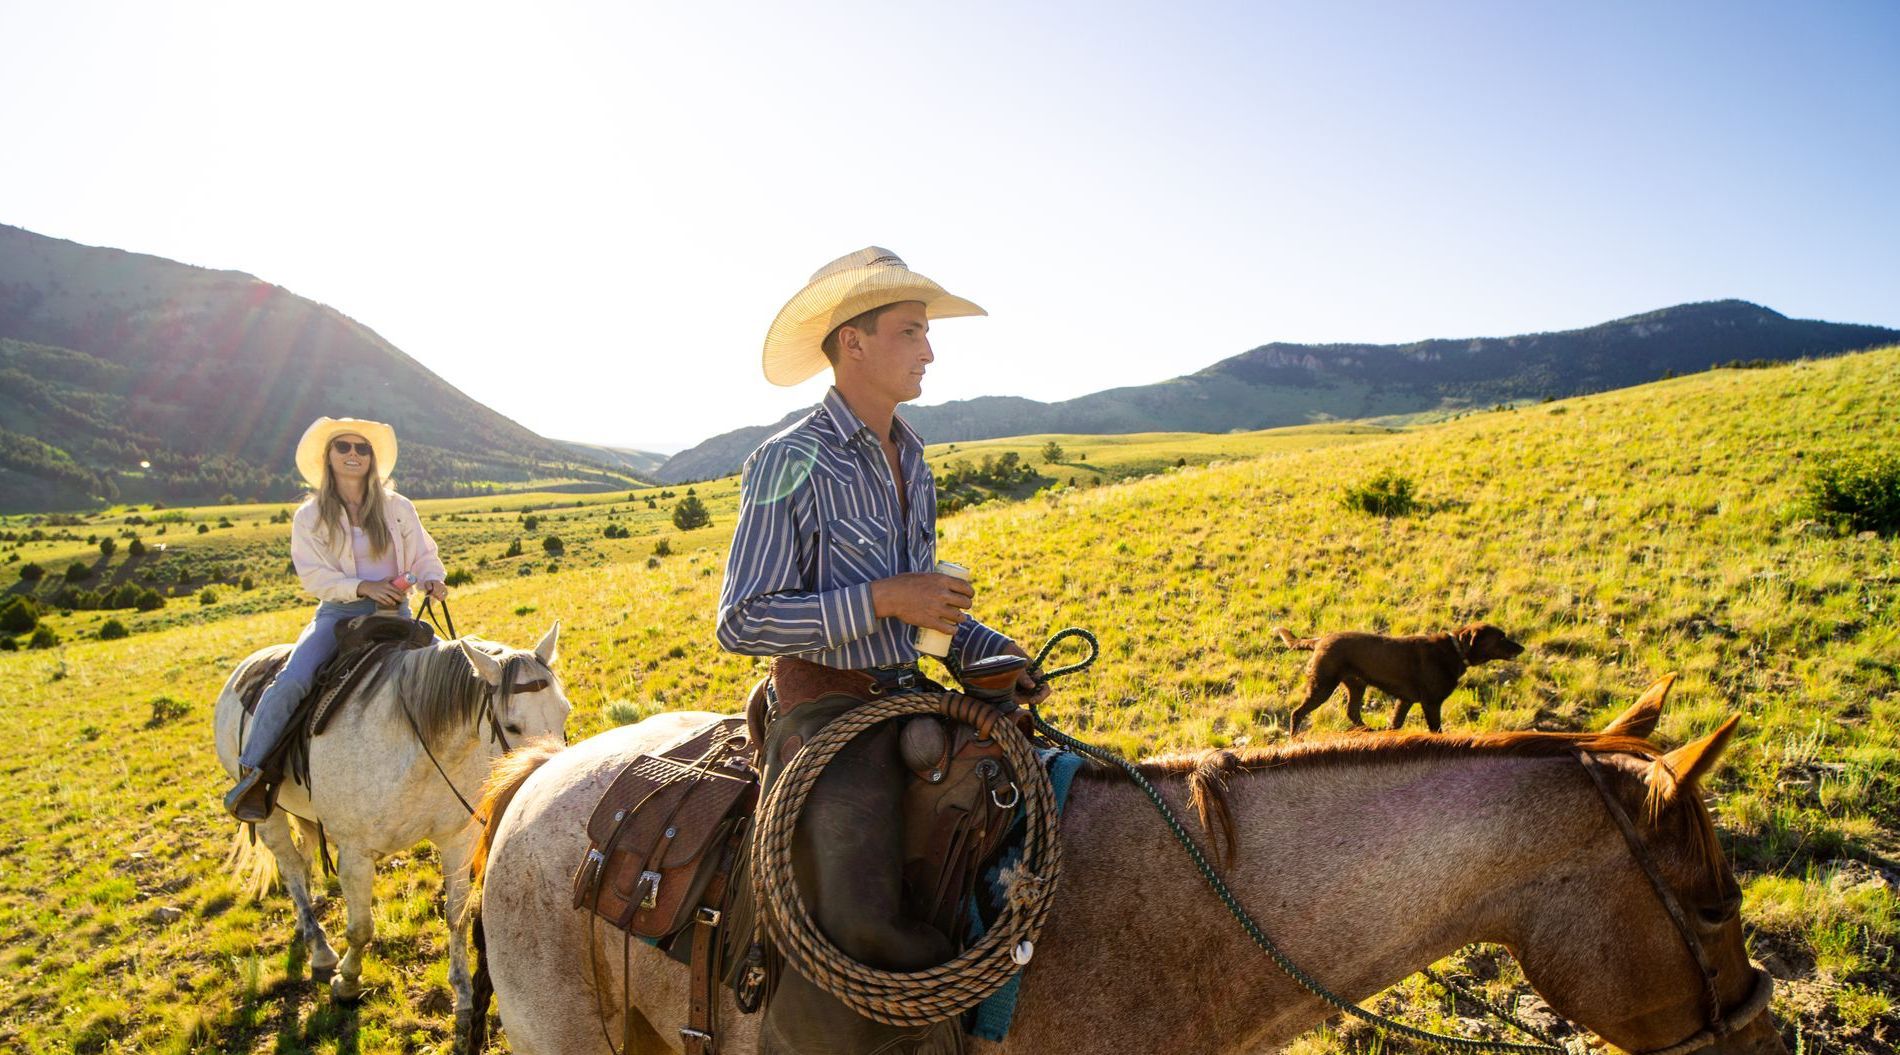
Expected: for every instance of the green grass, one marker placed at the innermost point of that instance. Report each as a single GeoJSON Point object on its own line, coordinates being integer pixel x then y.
{"type": "Point", "coordinates": [1620, 536]}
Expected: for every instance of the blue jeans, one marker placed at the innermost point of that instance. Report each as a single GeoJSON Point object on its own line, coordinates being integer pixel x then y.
{"type": "Point", "coordinates": [313, 649]}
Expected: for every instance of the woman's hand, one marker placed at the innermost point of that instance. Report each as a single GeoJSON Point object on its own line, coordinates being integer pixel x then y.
{"type": "Point", "coordinates": [380, 591]}
{"type": "Point", "coordinates": [437, 590]}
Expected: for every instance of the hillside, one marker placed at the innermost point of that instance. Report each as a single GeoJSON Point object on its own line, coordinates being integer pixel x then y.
{"type": "Point", "coordinates": [1620, 536]}
{"type": "Point", "coordinates": [110, 359]}
{"type": "Point", "coordinates": [1287, 384]}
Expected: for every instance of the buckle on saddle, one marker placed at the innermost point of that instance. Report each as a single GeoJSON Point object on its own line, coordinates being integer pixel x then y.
{"type": "Point", "coordinates": [650, 880]}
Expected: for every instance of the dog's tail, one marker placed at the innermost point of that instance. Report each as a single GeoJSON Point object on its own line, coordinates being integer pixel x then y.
{"type": "Point", "coordinates": [1304, 644]}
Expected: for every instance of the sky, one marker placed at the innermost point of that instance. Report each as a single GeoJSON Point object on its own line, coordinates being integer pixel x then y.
{"type": "Point", "coordinates": [586, 215]}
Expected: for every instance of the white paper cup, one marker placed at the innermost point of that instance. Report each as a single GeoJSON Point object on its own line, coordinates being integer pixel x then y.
{"type": "Point", "coordinates": [936, 642]}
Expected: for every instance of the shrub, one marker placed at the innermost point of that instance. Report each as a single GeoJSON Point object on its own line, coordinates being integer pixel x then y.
{"type": "Point", "coordinates": [514, 549]}
{"type": "Point", "coordinates": [113, 630]}
{"type": "Point", "coordinates": [30, 572]}
{"type": "Point", "coordinates": [126, 596]}
{"type": "Point", "coordinates": [1860, 491]}
{"type": "Point", "coordinates": [652, 503]}
{"type": "Point", "coordinates": [460, 577]}
{"type": "Point", "coordinates": [554, 545]}
{"type": "Point", "coordinates": [166, 709]}
{"type": "Point", "coordinates": [18, 615]}
{"type": "Point", "coordinates": [663, 548]}
{"type": "Point", "coordinates": [43, 637]}
{"type": "Point", "coordinates": [1387, 494]}
{"type": "Point", "coordinates": [136, 549]}
{"type": "Point", "coordinates": [7, 644]}
{"type": "Point", "coordinates": [204, 529]}
{"type": "Point", "coordinates": [107, 547]}
{"type": "Point", "coordinates": [207, 596]}
{"type": "Point", "coordinates": [1052, 451]}
{"type": "Point", "coordinates": [530, 523]}
{"type": "Point", "coordinates": [690, 513]}
{"type": "Point", "coordinates": [78, 572]}
{"type": "Point", "coordinates": [247, 583]}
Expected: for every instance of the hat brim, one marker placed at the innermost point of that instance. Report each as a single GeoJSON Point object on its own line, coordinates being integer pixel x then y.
{"type": "Point", "coordinates": [314, 447]}
{"type": "Point", "coordinates": [794, 345]}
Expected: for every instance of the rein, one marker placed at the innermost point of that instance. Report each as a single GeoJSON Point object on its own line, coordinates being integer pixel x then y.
{"type": "Point", "coordinates": [1719, 1024]}
{"type": "Point", "coordinates": [489, 710]}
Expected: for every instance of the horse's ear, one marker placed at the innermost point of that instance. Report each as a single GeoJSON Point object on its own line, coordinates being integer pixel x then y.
{"type": "Point", "coordinates": [1640, 720]}
{"type": "Point", "coordinates": [1691, 762]}
{"type": "Point", "coordinates": [487, 667]}
{"type": "Point", "coordinates": [548, 650]}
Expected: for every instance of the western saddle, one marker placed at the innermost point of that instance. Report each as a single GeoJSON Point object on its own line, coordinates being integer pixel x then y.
{"type": "Point", "coordinates": [668, 841]}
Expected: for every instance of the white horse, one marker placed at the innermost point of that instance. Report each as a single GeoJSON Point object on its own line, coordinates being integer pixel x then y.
{"type": "Point", "coordinates": [1367, 858]}
{"type": "Point", "coordinates": [376, 791]}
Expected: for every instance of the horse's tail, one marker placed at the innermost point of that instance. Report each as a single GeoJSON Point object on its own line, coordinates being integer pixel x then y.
{"type": "Point", "coordinates": [506, 778]}
{"type": "Point", "coordinates": [1304, 644]}
{"type": "Point", "coordinates": [251, 863]}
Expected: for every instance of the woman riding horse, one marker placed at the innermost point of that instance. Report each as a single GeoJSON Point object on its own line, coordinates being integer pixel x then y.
{"type": "Point", "coordinates": [359, 546]}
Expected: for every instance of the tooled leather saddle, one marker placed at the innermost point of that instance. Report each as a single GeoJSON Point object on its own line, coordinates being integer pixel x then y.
{"type": "Point", "coordinates": [668, 839]}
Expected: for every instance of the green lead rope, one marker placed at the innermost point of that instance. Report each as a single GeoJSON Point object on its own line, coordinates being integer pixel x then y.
{"type": "Point", "coordinates": [1550, 1045]}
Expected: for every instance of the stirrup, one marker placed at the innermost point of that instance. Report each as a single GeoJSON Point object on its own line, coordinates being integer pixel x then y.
{"type": "Point", "coordinates": [252, 799]}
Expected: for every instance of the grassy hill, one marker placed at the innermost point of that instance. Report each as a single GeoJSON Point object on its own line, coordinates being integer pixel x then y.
{"type": "Point", "coordinates": [1620, 536]}
{"type": "Point", "coordinates": [1288, 384]}
{"type": "Point", "coordinates": [125, 376]}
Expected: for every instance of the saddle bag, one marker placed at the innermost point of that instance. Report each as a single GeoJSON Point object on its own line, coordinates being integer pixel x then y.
{"type": "Point", "coordinates": [664, 829]}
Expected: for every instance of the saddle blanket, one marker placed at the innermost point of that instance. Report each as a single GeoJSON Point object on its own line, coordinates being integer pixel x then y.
{"type": "Point", "coordinates": [990, 1019]}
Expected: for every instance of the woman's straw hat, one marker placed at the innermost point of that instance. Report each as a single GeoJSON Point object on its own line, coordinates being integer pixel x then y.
{"type": "Point", "coordinates": [841, 291]}
{"type": "Point", "coordinates": [315, 446]}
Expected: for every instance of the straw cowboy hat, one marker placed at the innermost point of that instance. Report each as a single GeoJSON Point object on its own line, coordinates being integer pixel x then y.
{"type": "Point", "coordinates": [315, 445]}
{"type": "Point", "coordinates": [841, 291]}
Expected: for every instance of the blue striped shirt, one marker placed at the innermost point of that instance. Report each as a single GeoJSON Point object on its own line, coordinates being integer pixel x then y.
{"type": "Point", "coordinates": [819, 521]}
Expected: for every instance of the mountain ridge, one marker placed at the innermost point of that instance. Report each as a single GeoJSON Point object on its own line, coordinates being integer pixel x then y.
{"type": "Point", "coordinates": [1285, 383]}
{"type": "Point", "coordinates": [133, 376]}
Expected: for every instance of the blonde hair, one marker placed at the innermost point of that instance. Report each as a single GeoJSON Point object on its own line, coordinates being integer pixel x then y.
{"type": "Point", "coordinates": [332, 515]}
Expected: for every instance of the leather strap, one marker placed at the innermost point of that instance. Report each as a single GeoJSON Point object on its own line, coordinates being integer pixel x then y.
{"type": "Point", "coordinates": [703, 993]}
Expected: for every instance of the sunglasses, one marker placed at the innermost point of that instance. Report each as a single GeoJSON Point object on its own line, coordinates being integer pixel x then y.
{"type": "Point", "coordinates": [343, 447]}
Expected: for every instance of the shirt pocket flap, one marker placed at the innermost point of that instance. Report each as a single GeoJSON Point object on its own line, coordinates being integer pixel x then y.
{"type": "Point", "coordinates": [863, 535]}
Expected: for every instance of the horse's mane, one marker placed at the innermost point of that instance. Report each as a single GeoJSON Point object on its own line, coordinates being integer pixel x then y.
{"type": "Point", "coordinates": [442, 691]}
{"type": "Point", "coordinates": [1208, 771]}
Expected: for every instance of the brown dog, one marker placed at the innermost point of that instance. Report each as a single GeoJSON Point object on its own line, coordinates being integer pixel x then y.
{"type": "Point", "coordinates": [1421, 668]}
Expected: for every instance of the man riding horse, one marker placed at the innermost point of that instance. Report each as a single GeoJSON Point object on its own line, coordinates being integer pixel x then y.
{"type": "Point", "coordinates": [833, 564]}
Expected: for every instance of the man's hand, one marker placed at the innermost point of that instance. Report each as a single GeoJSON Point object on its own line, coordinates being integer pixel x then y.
{"type": "Point", "coordinates": [380, 591]}
{"type": "Point", "coordinates": [437, 590]}
{"type": "Point", "coordinates": [924, 598]}
{"type": "Point", "coordinates": [1028, 690]}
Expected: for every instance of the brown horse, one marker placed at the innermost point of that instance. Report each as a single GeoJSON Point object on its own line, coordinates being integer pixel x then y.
{"type": "Point", "coordinates": [1365, 857]}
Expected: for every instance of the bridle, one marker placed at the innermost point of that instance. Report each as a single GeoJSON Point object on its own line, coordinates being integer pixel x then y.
{"type": "Point", "coordinates": [494, 698]}
{"type": "Point", "coordinates": [1719, 1024]}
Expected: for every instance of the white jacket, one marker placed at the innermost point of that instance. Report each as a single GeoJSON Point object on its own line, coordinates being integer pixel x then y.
{"type": "Point", "coordinates": [327, 566]}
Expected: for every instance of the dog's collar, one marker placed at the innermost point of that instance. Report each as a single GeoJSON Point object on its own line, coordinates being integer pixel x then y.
{"type": "Point", "coordinates": [1464, 650]}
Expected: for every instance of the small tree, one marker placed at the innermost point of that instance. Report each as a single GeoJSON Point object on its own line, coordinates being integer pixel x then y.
{"type": "Point", "coordinates": [530, 523]}
{"type": "Point", "coordinates": [18, 615]}
{"type": "Point", "coordinates": [113, 630]}
{"type": "Point", "coordinates": [554, 545]}
{"type": "Point", "coordinates": [691, 513]}
{"type": "Point", "coordinates": [136, 549]}
{"type": "Point", "coordinates": [78, 572]}
{"type": "Point", "coordinates": [204, 529]}
{"type": "Point", "coordinates": [107, 547]}
{"type": "Point", "coordinates": [663, 548]}
{"type": "Point", "coordinates": [1052, 452]}
{"type": "Point", "coordinates": [514, 549]}
{"type": "Point", "coordinates": [30, 572]}
{"type": "Point", "coordinates": [44, 637]}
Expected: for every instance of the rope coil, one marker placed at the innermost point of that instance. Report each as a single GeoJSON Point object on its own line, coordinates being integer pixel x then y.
{"type": "Point", "coordinates": [906, 998]}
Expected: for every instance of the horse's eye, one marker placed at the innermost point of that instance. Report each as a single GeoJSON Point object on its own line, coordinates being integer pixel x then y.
{"type": "Point", "coordinates": [515, 729]}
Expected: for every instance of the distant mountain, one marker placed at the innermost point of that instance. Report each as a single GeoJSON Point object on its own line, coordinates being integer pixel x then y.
{"type": "Point", "coordinates": [110, 359]}
{"type": "Point", "coordinates": [640, 463]}
{"type": "Point", "coordinates": [1291, 384]}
